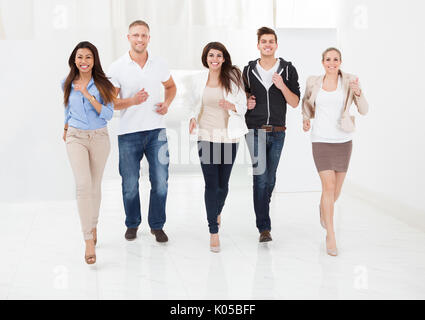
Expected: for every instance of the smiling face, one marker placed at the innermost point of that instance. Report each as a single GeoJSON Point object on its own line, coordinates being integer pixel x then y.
{"type": "Point", "coordinates": [267, 45]}
{"type": "Point", "coordinates": [139, 38]}
{"type": "Point", "coordinates": [84, 60]}
{"type": "Point", "coordinates": [215, 59]}
{"type": "Point", "coordinates": [332, 62]}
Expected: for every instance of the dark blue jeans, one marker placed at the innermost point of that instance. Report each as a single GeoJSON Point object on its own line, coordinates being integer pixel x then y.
{"type": "Point", "coordinates": [265, 150]}
{"type": "Point", "coordinates": [217, 161]}
{"type": "Point", "coordinates": [132, 147]}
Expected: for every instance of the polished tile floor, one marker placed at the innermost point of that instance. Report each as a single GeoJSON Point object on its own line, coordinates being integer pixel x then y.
{"type": "Point", "coordinates": [42, 251]}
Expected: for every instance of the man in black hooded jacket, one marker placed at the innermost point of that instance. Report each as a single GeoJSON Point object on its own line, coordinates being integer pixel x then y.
{"type": "Point", "coordinates": [270, 85]}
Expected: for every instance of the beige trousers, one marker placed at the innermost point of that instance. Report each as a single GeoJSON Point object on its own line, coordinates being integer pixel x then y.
{"type": "Point", "coordinates": [88, 151]}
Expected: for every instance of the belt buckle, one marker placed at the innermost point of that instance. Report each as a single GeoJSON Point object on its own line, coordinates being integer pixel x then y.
{"type": "Point", "coordinates": [267, 128]}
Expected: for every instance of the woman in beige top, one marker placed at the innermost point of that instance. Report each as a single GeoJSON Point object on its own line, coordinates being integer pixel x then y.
{"type": "Point", "coordinates": [219, 114]}
{"type": "Point", "coordinates": [328, 99]}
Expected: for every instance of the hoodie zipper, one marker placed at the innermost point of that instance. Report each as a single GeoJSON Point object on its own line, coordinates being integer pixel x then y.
{"type": "Point", "coordinates": [267, 90]}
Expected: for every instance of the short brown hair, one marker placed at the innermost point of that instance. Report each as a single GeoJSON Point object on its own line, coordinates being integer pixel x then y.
{"type": "Point", "coordinates": [264, 30]}
{"type": "Point", "coordinates": [329, 50]}
{"type": "Point", "coordinates": [139, 23]}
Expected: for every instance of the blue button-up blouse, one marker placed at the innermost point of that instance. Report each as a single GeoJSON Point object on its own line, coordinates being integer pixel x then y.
{"type": "Point", "coordinates": [80, 113]}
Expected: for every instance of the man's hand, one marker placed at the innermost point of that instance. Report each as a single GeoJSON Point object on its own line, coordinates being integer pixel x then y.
{"type": "Point", "coordinates": [140, 97]}
{"type": "Point", "coordinates": [251, 103]}
{"type": "Point", "coordinates": [278, 81]}
{"type": "Point", "coordinates": [162, 108]}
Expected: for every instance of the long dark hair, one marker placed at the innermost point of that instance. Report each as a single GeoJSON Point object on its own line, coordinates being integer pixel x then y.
{"type": "Point", "coordinates": [105, 87]}
{"type": "Point", "coordinates": [229, 72]}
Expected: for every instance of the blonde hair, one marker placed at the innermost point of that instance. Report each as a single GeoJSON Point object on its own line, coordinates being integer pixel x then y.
{"type": "Point", "coordinates": [329, 50]}
{"type": "Point", "coordinates": [139, 23]}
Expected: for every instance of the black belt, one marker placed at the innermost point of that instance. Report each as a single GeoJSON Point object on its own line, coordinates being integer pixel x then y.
{"type": "Point", "coordinates": [270, 128]}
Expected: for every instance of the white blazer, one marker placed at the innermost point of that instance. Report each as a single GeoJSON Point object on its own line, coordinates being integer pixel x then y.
{"type": "Point", "coordinates": [236, 127]}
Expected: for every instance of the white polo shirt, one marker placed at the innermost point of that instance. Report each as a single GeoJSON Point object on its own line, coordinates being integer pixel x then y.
{"type": "Point", "coordinates": [127, 75]}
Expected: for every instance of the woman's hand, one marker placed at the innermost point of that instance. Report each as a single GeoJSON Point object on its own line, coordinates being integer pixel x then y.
{"type": "Point", "coordinates": [64, 135]}
{"type": "Point", "coordinates": [82, 89]}
{"type": "Point", "coordinates": [251, 103]}
{"type": "Point", "coordinates": [306, 125]}
{"type": "Point", "coordinates": [354, 85]}
{"type": "Point", "coordinates": [192, 125]}
{"type": "Point", "coordinates": [226, 105]}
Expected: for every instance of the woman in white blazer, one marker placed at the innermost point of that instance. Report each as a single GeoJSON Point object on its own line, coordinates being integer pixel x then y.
{"type": "Point", "coordinates": [327, 100]}
{"type": "Point", "coordinates": [218, 108]}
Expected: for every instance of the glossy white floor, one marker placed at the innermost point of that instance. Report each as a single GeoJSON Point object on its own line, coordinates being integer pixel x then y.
{"type": "Point", "coordinates": [42, 251]}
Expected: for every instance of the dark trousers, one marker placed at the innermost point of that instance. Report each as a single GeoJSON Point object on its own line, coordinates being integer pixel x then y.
{"type": "Point", "coordinates": [265, 150]}
{"type": "Point", "coordinates": [132, 147]}
{"type": "Point", "coordinates": [217, 161]}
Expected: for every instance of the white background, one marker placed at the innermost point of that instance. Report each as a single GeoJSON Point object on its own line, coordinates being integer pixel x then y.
{"type": "Point", "coordinates": [381, 42]}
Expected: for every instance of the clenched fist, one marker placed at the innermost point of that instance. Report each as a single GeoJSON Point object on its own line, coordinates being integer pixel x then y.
{"type": "Point", "coordinates": [162, 108]}
{"type": "Point", "coordinates": [140, 97]}
{"type": "Point", "coordinates": [192, 125]}
{"type": "Point", "coordinates": [306, 125]}
{"type": "Point", "coordinates": [354, 85]}
{"type": "Point", "coordinates": [226, 105]}
{"type": "Point", "coordinates": [251, 103]}
{"type": "Point", "coordinates": [278, 81]}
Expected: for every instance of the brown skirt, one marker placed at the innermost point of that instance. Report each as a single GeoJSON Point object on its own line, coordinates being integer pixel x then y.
{"type": "Point", "coordinates": [332, 156]}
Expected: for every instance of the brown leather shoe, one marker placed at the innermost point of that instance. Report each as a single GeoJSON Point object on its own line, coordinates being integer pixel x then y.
{"type": "Point", "coordinates": [160, 235]}
{"type": "Point", "coordinates": [265, 236]}
{"type": "Point", "coordinates": [131, 234]}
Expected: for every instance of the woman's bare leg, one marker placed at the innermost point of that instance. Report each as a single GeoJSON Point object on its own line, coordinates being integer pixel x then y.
{"type": "Point", "coordinates": [328, 179]}
{"type": "Point", "coordinates": [340, 176]}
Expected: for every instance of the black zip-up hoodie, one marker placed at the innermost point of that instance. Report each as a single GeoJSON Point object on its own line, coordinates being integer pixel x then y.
{"type": "Point", "coordinates": [270, 108]}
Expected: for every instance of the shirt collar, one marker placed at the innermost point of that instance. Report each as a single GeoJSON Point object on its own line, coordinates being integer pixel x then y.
{"type": "Point", "coordinates": [129, 60]}
{"type": "Point", "coordinates": [91, 82]}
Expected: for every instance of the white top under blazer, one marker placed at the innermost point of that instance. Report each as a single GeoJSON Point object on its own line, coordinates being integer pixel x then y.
{"type": "Point", "coordinates": [329, 107]}
{"type": "Point", "coordinates": [236, 126]}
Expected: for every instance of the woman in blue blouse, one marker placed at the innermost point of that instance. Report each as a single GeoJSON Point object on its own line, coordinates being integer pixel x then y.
{"type": "Point", "coordinates": [88, 99]}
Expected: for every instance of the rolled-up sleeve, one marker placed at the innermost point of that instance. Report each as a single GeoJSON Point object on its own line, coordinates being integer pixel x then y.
{"type": "Point", "coordinates": [67, 115]}
{"type": "Point", "coordinates": [239, 100]}
{"type": "Point", "coordinates": [107, 112]}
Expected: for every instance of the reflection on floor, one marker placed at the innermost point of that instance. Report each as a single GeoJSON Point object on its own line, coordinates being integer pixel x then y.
{"type": "Point", "coordinates": [42, 251]}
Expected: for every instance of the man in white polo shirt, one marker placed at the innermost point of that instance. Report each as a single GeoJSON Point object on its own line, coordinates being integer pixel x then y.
{"type": "Point", "coordinates": [138, 77]}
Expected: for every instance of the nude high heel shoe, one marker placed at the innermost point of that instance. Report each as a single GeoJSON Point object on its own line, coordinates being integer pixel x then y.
{"type": "Point", "coordinates": [215, 249]}
{"type": "Point", "coordinates": [332, 252]}
{"type": "Point", "coordinates": [90, 258]}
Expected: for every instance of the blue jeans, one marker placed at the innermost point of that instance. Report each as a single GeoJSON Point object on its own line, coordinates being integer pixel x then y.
{"type": "Point", "coordinates": [265, 150]}
{"type": "Point", "coordinates": [217, 161]}
{"type": "Point", "coordinates": [132, 148]}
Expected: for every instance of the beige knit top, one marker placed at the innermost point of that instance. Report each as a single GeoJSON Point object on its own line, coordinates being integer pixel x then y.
{"type": "Point", "coordinates": [213, 119]}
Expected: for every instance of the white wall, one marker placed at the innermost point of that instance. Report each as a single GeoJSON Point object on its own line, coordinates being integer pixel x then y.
{"type": "Point", "coordinates": [36, 39]}
{"type": "Point", "coordinates": [382, 42]}
{"type": "Point", "coordinates": [33, 162]}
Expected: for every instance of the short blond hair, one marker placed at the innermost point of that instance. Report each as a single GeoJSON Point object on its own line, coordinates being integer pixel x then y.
{"type": "Point", "coordinates": [138, 23]}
